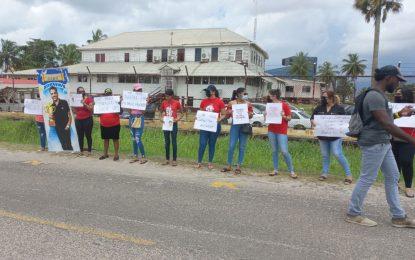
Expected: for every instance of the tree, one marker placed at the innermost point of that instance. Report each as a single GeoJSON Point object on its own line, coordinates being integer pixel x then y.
{"type": "Point", "coordinates": [39, 53]}
{"type": "Point", "coordinates": [353, 67]}
{"type": "Point", "coordinates": [344, 88]}
{"type": "Point", "coordinates": [378, 11]}
{"type": "Point", "coordinates": [300, 66]}
{"type": "Point", "coordinates": [9, 55]}
{"type": "Point", "coordinates": [327, 73]}
{"type": "Point", "coordinates": [97, 36]}
{"type": "Point", "coordinates": [68, 54]}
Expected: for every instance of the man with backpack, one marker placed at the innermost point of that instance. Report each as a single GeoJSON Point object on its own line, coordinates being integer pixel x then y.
{"type": "Point", "coordinates": [374, 138]}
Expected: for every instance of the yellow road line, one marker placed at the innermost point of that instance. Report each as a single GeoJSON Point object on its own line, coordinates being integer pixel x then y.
{"type": "Point", "coordinates": [78, 229]}
{"type": "Point", "coordinates": [224, 184]}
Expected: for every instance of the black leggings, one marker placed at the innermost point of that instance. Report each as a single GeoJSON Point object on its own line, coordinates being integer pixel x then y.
{"type": "Point", "coordinates": [84, 129]}
{"type": "Point", "coordinates": [173, 135]}
{"type": "Point", "coordinates": [404, 156]}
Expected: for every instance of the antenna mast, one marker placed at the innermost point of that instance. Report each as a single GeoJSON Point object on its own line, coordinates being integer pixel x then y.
{"type": "Point", "coordinates": [255, 18]}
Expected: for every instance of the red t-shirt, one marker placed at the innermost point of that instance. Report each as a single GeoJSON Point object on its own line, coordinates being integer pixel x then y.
{"type": "Point", "coordinates": [212, 105]}
{"type": "Point", "coordinates": [39, 118]}
{"type": "Point", "coordinates": [83, 112]}
{"type": "Point", "coordinates": [171, 107]}
{"type": "Point", "coordinates": [283, 127]}
{"type": "Point", "coordinates": [229, 109]}
{"type": "Point", "coordinates": [409, 131]}
{"type": "Point", "coordinates": [109, 120]}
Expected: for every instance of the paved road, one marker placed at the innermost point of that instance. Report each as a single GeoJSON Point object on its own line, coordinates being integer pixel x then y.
{"type": "Point", "coordinates": [55, 206]}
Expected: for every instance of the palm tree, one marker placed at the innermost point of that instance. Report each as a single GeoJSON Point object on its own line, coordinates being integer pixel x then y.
{"type": "Point", "coordinates": [301, 65]}
{"type": "Point", "coordinates": [327, 73]}
{"type": "Point", "coordinates": [9, 55]}
{"type": "Point", "coordinates": [353, 67]}
{"type": "Point", "coordinates": [69, 54]}
{"type": "Point", "coordinates": [377, 10]}
{"type": "Point", "coordinates": [97, 36]}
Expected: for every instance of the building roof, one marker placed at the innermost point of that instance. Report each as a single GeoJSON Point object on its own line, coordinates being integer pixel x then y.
{"type": "Point", "coordinates": [171, 38]}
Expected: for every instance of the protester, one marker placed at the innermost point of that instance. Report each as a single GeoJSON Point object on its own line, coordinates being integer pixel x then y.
{"type": "Point", "coordinates": [331, 145]}
{"type": "Point", "coordinates": [374, 141]}
{"type": "Point", "coordinates": [404, 151]}
{"type": "Point", "coordinates": [277, 134]}
{"type": "Point", "coordinates": [40, 123]}
{"type": "Point", "coordinates": [136, 124]}
{"type": "Point", "coordinates": [171, 108]}
{"type": "Point", "coordinates": [84, 121]}
{"type": "Point", "coordinates": [110, 129]}
{"type": "Point", "coordinates": [212, 103]}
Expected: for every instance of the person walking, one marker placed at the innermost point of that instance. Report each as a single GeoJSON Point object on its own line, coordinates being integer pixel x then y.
{"type": "Point", "coordinates": [84, 121]}
{"type": "Point", "coordinates": [110, 130]}
{"type": "Point", "coordinates": [331, 145]}
{"type": "Point", "coordinates": [374, 141]}
{"type": "Point", "coordinates": [277, 135]}
{"type": "Point", "coordinates": [136, 124]}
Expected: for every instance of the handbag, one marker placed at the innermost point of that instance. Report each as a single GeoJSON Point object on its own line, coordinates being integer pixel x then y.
{"type": "Point", "coordinates": [136, 123]}
{"type": "Point", "coordinates": [246, 129]}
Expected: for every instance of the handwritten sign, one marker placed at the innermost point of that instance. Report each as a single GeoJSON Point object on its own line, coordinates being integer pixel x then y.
{"type": "Point", "coordinates": [207, 121]}
{"type": "Point", "coordinates": [273, 113]}
{"type": "Point", "coordinates": [403, 121]}
{"type": "Point", "coordinates": [331, 125]}
{"type": "Point", "coordinates": [134, 100]}
{"type": "Point", "coordinates": [240, 114]}
{"type": "Point", "coordinates": [33, 107]}
{"type": "Point", "coordinates": [107, 104]}
{"type": "Point", "coordinates": [75, 100]}
{"type": "Point", "coordinates": [168, 123]}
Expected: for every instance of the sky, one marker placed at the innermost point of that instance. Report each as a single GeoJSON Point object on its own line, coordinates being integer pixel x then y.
{"type": "Point", "coordinates": [328, 29]}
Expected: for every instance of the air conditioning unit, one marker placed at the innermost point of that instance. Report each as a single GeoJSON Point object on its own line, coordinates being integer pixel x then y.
{"type": "Point", "coordinates": [156, 59]}
{"type": "Point", "coordinates": [205, 58]}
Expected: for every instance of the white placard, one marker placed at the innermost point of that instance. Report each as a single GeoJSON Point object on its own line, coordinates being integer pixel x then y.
{"type": "Point", "coordinates": [240, 114]}
{"type": "Point", "coordinates": [331, 125]}
{"type": "Point", "coordinates": [273, 113]}
{"type": "Point", "coordinates": [75, 100]}
{"type": "Point", "coordinates": [134, 100]}
{"type": "Point", "coordinates": [107, 104]}
{"type": "Point", "coordinates": [207, 121]}
{"type": "Point", "coordinates": [403, 121]}
{"type": "Point", "coordinates": [33, 107]}
{"type": "Point", "coordinates": [168, 123]}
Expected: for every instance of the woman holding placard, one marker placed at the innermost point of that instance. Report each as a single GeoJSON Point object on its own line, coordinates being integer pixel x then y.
{"type": "Point", "coordinates": [277, 114]}
{"type": "Point", "coordinates": [171, 113]}
{"type": "Point", "coordinates": [83, 120]}
{"type": "Point", "coordinates": [212, 103]}
{"type": "Point", "coordinates": [331, 145]}
{"type": "Point", "coordinates": [242, 111]}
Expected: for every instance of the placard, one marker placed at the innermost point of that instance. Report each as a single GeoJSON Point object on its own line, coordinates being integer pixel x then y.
{"type": "Point", "coordinates": [273, 113]}
{"type": "Point", "coordinates": [33, 107]}
{"type": "Point", "coordinates": [240, 114]}
{"type": "Point", "coordinates": [331, 125]}
{"type": "Point", "coordinates": [75, 100]}
{"type": "Point", "coordinates": [107, 104]}
{"type": "Point", "coordinates": [168, 123]}
{"type": "Point", "coordinates": [207, 121]}
{"type": "Point", "coordinates": [403, 121]}
{"type": "Point", "coordinates": [134, 100]}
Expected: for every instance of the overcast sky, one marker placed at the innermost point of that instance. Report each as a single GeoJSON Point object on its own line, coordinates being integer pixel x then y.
{"type": "Point", "coordinates": [328, 29]}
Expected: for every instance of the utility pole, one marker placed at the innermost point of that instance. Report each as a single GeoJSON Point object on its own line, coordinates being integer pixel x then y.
{"type": "Point", "coordinates": [314, 78]}
{"type": "Point", "coordinates": [255, 18]}
{"type": "Point", "coordinates": [90, 80]}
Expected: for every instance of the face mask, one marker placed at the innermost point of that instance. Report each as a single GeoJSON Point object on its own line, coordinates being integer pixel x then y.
{"type": "Point", "coordinates": [323, 101]}
{"type": "Point", "coordinates": [245, 97]}
{"type": "Point", "coordinates": [390, 88]}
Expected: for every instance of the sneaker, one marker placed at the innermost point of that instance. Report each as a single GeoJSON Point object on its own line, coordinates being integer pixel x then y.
{"type": "Point", "coordinates": [403, 222]}
{"type": "Point", "coordinates": [361, 221]}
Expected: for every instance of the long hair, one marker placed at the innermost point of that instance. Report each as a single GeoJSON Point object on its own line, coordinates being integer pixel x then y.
{"type": "Point", "coordinates": [275, 92]}
{"type": "Point", "coordinates": [236, 92]}
{"type": "Point", "coordinates": [407, 95]}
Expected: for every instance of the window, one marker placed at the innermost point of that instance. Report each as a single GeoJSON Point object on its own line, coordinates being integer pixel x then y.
{"type": "Point", "coordinates": [229, 80]}
{"type": "Point", "coordinates": [156, 80]}
{"type": "Point", "coordinates": [238, 55]}
{"type": "Point", "coordinates": [149, 55]}
{"type": "Point", "coordinates": [197, 80]}
{"type": "Point", "coordinates": [289, 88]}
{"type": "Point", "coordinates": [221, 81]}
{"type": "Point", "coordinates": [126, 78]}
{"type": "Point", "coordinates": [144, 79]}
{"type": "Point", "coordinates": [100, 57]}
{"type": "Point", "coordinates": [101, 78]}
{"type": "Point", "coordinates": [306, 89]}
{"type": "Point", "coordinates": [213, 80]}
{"type": "Point", "coordinates": [294, 115]}
{"type": "Point", "coordinates": [215, 53]}
{"type": "Point", "coordinates": [82, 78]}
{"type": "Point", "coordinates": [126, 57]}
{"type": "Point", "coordinates": [205, 80]}
{"type": "Point", "coordinates": [190, 101]}
{"type": "Point", "coordinates": [164, 53]}
{"type": "Point", "coordinates": [180, 55]}
{"type": "Point", "coordinates": [189, 80]}
{"type": "Point", "coordinates": [198, 54]}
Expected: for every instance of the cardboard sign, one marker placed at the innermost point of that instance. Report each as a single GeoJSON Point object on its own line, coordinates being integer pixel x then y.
{"type": "Point", "coordinates": [75, 100]}
{"type": "Point", "coordinates": [168, 123]}
{"type": "Point", "coordinates": [240, 114]}
{"type": "Point", "coordinates": [134, 100]}
{"type": "Point", "coordinates": [33, 107]}
{"type": "Point", "coordinates": [403, 121]}
{"type": "Point", "coordinates": [107, 104]}
{"type": "Point", "coordinates": [207, 121]}
{"type": "Point", "coordinates": [273, 113]}
{"type": "Point", "coordinates": [331, 125]}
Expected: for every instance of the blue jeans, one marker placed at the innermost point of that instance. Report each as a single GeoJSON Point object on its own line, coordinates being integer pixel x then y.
{"type": "Point", "coordinates": [136, 135]}
{"type": "Point", "coordinates": [334, 147]}
{"type": "Point", "coordinates": [42, 134]}
{"type": "Point", "coordinates": [375, 157]}
{"type": "Point", "coordinates": [206, 138]}
{"type": "Point", "coordinates": [280, 142]}
{"type": "Point", "coordinates": [235, 136]}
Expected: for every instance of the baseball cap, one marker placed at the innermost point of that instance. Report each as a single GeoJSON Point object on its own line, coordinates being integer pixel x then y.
{"type": "Point", "coordinates": [391, 70]}
{"type": "Point", "coordinates": [210, 88]}
{"type": "Point", "coordinates": [108, 91]}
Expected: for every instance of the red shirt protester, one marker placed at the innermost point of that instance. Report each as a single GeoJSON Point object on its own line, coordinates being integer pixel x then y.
{"type": "Point", "coordinates": [171, 107]}
{"type": "Point", "coordinates": [212, 105]}
{"type": "Point", "coordinates": [229, 108]}
{"type": "Point", "coordinates": [39, 118]}
{"type": "Point", "coordinates": [109, 120]}
{"type": "Point", "coordinates": [84, 112]}
{"type": "Point", "coordinates": [283, 127]}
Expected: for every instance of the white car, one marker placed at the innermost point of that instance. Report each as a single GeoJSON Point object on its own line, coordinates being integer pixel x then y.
{"type": "Point", "coordinates": [299, 120]}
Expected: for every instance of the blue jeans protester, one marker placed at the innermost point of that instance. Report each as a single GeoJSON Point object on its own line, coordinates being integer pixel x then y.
{"type": "Point", "coordinates": [208, 138]}
{"type": "Point", "coordinates": [42, 134]}
{"type": "Point", "coordinates": [173, 140]}
{"type": "Point", "coordinates": [236, 136]}
{"type": "Point", "coordinates": [334, 147]}
{"type": "Point", "coordinates": [280, 142]}
{"type": "Point", "coordinates": [136, 135]}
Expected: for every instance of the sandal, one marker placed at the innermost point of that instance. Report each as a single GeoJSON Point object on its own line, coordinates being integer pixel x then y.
{"type": "Point", "coordinates": [134, 160]}
{"type": "Point", "coordinates": [210, 167]}
{"type": "Point", "coordinates": [143, 161]}
{"type": "Point", "coordinates": [116, 158]}
{"type": "Point", "coordinates": [322, 178]}
{"type": "Point", "coordinates": [198, 166]}
{"type": "Point", "coordinates": [293, 175]}
{"type": "Point", "coordinates": [174, 164]}
{"type": "Point", "coordinates": [347, 181]}
{"type": "Point", "coordinates": [274, 173]}
{"type": "Point", "coordinates": [238, 171]}
{"type": "Point", "coordinates": [103, 157]}
{"type": "Point", "coordinates": [409, 194]}
{"type": "Point", "coordinates": [226, 169]}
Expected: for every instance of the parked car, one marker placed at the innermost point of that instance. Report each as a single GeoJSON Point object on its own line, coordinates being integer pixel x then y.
{"type": "Point", "coordinates": [262, 107]}
{"type": "Point", "coordinates": [299, 120]}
